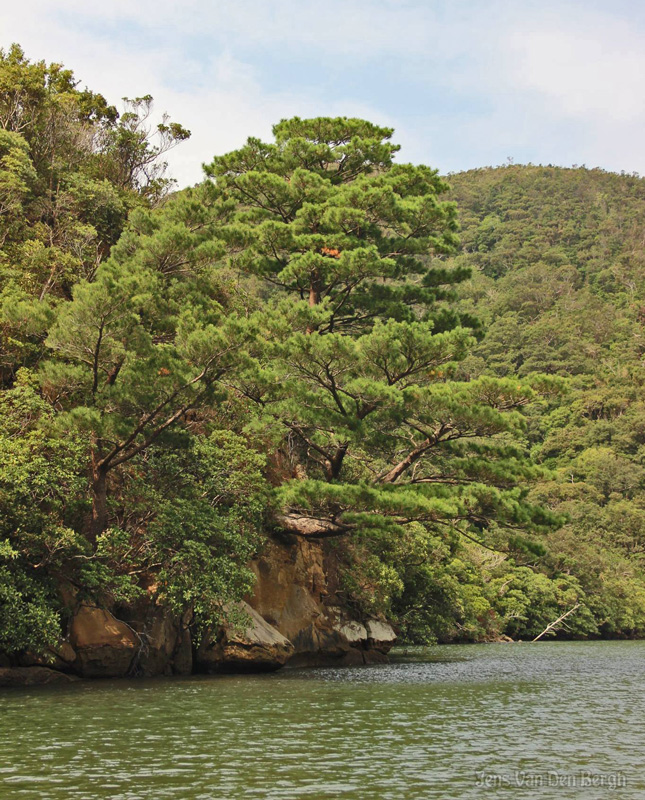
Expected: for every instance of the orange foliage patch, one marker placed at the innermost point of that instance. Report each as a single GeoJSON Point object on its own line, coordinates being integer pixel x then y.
{"type": "Point", "coordinates": [330, 251]}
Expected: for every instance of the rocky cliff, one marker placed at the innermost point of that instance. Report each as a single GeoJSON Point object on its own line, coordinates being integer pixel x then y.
{"type": "Point", "coordinates": [295, 616]}
{"type": "Point", "coordinates": [296, 592]}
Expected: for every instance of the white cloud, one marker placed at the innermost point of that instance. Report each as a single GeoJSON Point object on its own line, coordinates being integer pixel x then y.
{"type": "Point", "coordinates": [221, 109]}
{"type": "Point", "coordinates": [588, 66]}
{"type": "Point", "coordinates": [588, 69]}
{"type": "Point", "coordinates": [553, 81]}
{"type": "Point", "coordinates": [359, 27]}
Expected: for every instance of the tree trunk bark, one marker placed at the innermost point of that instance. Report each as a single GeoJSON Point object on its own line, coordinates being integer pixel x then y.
{"type": "Point", "coordinates": [99, 520]}
{"type": "Point", "coordinates": [336, 462]}
{"type": "Point", "coordinates": [314, 296]}
{"type": "Point", "coordinates": [553, 625]}
{"type": "Point", "coordinates": [392, 475]}
{"type": "Point", "coordinates": [314, 290]}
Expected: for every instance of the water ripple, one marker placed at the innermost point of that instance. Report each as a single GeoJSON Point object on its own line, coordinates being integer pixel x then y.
{"type": "Point", "coordinates": [436, 723]}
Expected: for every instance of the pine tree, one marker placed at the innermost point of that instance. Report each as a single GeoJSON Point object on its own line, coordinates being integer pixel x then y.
{"type": "Point", "coordinates": [326, 215]}
{"type": "Point", "coordinates": [358, 372]}
{"type": "Point", "coordinates": [145, 343]}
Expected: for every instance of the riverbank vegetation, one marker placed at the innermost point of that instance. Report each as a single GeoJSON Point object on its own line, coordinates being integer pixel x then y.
{"type": "Point", "coordinates": [303, 345]}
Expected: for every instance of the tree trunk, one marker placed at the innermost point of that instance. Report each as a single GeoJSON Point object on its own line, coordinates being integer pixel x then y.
{"type": "Point", "coordinates": [99, 520]}
{"type": "Point", "coordinates": [414, 455]}
{"type": "Point", "coordinates": [314, 296]}
{"type": "Point", "coordinates": [314, 290]}
{"type": "Point", "coordinates": [552, 626]}
{"type": "Point", "coordinates": [336, 462]}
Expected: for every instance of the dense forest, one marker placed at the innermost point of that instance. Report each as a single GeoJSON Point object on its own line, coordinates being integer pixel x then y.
{"type": "Point", "coordinates": [441, 378]}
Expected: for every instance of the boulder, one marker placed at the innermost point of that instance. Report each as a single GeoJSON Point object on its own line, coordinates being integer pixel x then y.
{"type": "Point", "coordinates": [353, 631]}
{"type": "Point", "coordinates": [375, 657]}
{"type": "Point", "coordinates": [366, 643]}
{"type": "Point", "coordinates": [257, 648]}
{"type": "Point", "coordinates": [380, 635]}
{"type": "Point", "coordinates": [353, 657]}
{"type": "Point", "coordinates": [33, 676]}
{"type": "Point", "coordinates": [60, 657]}
{"type": "Point", "coordinates": [166, 647]}
{"type": "Point", "coordinates": [158, 629]}
{"type": "Point", "coordinates": [105, 646]}
{"type": "Point", "coordinates": [319, 642]}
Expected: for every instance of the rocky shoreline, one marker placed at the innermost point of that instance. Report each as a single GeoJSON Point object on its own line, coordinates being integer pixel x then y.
{"type": "Point", "coordinates": [294, 618]}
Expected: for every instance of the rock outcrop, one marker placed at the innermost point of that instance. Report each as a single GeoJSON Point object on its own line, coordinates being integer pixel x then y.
{"type": "Point", "coordinates": [33, 676]}
{"type": "Point", "coordinates": [258, 647]}
{"type": "Point", "coordinates": [165, 640]}
{"type": "Point", "coordinates": [105, 646]}
{"type": "Point", "coordinates": [295, 616]}
{"type": "Point", "coordinates": [380, 635]}
{"type": "Point", "coordinates": [296, 592]}
{"type": "Point", "coordinates": [61, 657]}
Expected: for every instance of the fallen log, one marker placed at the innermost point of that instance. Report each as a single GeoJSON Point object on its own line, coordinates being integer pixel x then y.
{"type": "Point", "coordinates": [552, 625]}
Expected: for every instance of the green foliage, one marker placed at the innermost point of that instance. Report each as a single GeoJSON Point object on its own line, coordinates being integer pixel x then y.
{"type": "Point", "coordinates": [28, 614]}
{"type": "Point", "coordinates": [131, 149]}
{"type": "Point", "coordinates": [557, 279]}
{"type": "Point", "coordinates": [308, 302]}
{"type": "Point", "coordinates": [42, 494]}
{"type": "Point", "coordinates": [71, 168]}
{"type": "Point", "coordinates": [124, 351]}
{"type": "Point", "coordinates": [324, 214]}
{"type": "Point", "coordinates": [189, 522]}
{"type": "Point", "coordinates": [359, 380]}
{"type": "Point", "coordinates": [557, 262]}
{"type": "Point", "coordinates": [219, 512]}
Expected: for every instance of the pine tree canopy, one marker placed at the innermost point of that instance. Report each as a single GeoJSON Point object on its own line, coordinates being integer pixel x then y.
{"type": "Point", "coordinates": [325, 214]}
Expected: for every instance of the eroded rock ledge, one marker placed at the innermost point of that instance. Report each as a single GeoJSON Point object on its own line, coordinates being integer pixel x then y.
{"type": "Point", "coordinates": [258, 648]}
{"type": "Point", "coordinates": [294, 618]}
{"type": "Point", "coordinates": [296, 592]}
{"type": "Point", "coordinates": [33, 676]}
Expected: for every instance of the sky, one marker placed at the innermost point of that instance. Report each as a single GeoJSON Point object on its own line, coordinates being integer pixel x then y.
{"type": "Point", "coordinates": [464, 83]}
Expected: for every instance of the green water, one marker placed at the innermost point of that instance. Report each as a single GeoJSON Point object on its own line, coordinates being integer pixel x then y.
{"type": "Point", "coordinates": [514, 720]}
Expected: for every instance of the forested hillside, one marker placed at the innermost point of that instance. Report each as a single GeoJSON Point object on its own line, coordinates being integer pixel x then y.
{"type": "Point", "coordinates": [558, 279]}
{"type": "Point", "coordinates": [303, 346]}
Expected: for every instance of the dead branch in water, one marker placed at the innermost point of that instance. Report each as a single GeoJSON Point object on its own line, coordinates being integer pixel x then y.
{"type": "Point", "coordinates": [552, 625]}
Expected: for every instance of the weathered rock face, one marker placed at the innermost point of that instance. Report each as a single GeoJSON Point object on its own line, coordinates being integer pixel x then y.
{"type": "Point", "coordinates": [258, 648]}
{"type": "Point", "coordinates": [166, 647]}
{"type": "Point", "coordinates": [105, 647]}
{"type": "Point", "coordinates": [33, 676]}
{"type": "Point", "coordinates": [62, 658]}
{"type": "Point", "coordinates": [380, 635]}
{"type": "Point", "coordinates": [296, 616]}
{"type": "Point", "coordinates": [369, 641]}
{"type": "Point", "coordinates": [294, 592]}
{"type": "Point", "coordinates": [182, 657]}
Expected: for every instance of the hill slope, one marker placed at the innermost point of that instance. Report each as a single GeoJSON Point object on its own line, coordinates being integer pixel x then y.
{"type": "Point", "coordinates": [558, 280]}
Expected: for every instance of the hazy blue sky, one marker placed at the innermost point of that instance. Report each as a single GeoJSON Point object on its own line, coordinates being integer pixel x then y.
{"type": "Point", "coordinates": [465, 83]}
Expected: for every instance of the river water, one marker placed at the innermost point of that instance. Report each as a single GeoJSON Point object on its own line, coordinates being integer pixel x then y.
{"type": "Point", "coordinates": [545, 720]}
